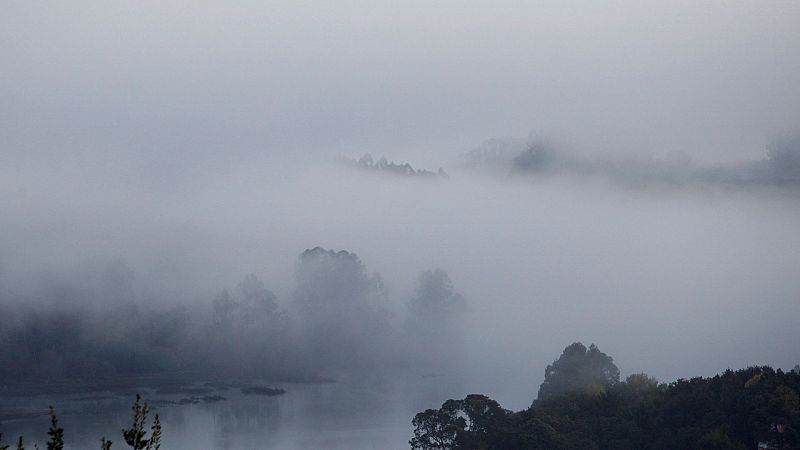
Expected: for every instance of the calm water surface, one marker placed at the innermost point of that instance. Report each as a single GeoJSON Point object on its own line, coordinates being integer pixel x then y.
{"type": "Point", "coordinates": [350, 414]}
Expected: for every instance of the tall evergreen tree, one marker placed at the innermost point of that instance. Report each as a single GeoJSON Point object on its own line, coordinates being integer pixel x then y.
{"type": "Point", "coordinates": [55, 432]}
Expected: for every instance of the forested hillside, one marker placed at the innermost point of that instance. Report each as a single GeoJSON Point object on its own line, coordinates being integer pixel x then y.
{"type": "Point", "coordinates": [583, 405]}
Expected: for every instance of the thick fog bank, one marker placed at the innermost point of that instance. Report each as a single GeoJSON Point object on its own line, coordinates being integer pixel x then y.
{"type": "Point", "coordinates": [673, 282]}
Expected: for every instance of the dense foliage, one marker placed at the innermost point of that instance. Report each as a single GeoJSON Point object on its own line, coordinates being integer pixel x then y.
{"type": "Point", "coordinates": [733, 410]}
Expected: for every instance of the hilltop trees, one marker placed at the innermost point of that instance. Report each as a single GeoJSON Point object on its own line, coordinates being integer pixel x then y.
{"type": "Point", "coordinates": [734, 410]}
{"type": "Point", "coordinates": [367, 163]}
{"type": "Point", "coordinates": [579, 369]}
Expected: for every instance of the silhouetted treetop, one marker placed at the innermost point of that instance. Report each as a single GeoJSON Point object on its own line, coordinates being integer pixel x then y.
{"type": "Point", "coordinates": [334, 279]}
{"type": "Point", "coordinates": [579, 368]}
{"type": "Point", "coordinates": [435, 297]}
{"type": "Point", "coordinates": [383, 165]}
{"type": "Point", "coordinates": [250, 302]}
{"type": "Point", "coordinates": [340, 308]}
{"type": "Point", "coordinates": [756, 407]}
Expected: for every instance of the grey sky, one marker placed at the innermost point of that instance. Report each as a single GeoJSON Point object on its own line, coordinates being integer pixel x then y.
{"type": "Point", "coordinates": [183, 80]}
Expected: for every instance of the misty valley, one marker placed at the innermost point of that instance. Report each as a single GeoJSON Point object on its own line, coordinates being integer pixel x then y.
{"type": "Point", "coordinates": [450, 225]}
{"type": "Point", "coordinates": [339, 361]}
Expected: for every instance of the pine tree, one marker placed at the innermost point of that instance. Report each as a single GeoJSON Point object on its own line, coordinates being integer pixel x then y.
{"type": "Point", "coordinates": [55, 432]}
{"type": "Point", "coordinates": [136, 436]}
{"type": "Point", "coordinates": [155, 435]}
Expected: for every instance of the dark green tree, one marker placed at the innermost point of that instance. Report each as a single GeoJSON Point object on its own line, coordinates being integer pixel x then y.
{"type": "Point", "coordinates": [471, 423]}
{"type": "Point", "coordinates": [155, 435]}
{"type": "Point", "coordinates": [136, 436]}
{"type": "Point", "coordinates": [55, 432]}
{"type": "Point", "coordinates": [438, 429]}
{"type": "Point", "coordinates": [733, 410]}
{"type": "Point", "coordinates": [719, 439]}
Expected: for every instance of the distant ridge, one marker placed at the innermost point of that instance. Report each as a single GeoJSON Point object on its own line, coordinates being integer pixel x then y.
{"type": "Point", "coordinates": [367, 163]}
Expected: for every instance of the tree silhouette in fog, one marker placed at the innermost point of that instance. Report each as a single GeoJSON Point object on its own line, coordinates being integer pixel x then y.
{"type": "Point", "coordinates": [136, 435]}
{"type": "Point", "coordinates": [251, 302]}
{"type": "Point", "coordinates": [339, 306]}
{"type": "Point", "coordinates": [735, 410]}
{"type": "Point", "coordinates": [435, 298]}
{"type": "Point", "coordinates": [248, 336]}
{"type": "Point", "coordinates": [435, 326]}
{"type": "Point", "coordinates": [579, 368]}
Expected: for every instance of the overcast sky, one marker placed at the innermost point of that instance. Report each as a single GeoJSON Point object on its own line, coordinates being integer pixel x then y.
{"type": "Point", "coordinates": [187, 80]}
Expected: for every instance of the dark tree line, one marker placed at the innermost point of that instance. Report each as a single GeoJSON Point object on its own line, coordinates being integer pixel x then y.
{"type": "Point", "coordinates": [383, 165]}
{"type": "Point", "coordinates": [336, 319]}
{"type": "Point", "coordinates": [583, 405]}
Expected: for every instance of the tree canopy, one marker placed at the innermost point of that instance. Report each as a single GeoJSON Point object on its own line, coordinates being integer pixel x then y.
{"type": "Point", "coordinates": [579, 368]}
{"type": "Point", "coordinates": [332, 283]}
{"type": "Point", "coordinates": [735, 410]}
{"type": "Point", "coordinates": [340, 307]}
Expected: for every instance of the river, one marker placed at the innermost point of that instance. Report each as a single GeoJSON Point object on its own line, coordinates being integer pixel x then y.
{"type": "Point", "coordinates": [349, 414]}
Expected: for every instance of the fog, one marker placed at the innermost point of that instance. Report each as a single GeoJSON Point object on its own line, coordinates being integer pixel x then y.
{"type": "Point", "coordinates": [674, 281]}
{"type": "Point", "coordinates": [639, 189]}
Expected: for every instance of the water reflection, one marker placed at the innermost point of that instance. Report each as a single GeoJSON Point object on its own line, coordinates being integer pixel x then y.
{"type": "Point", "coordinates": [347, 414]}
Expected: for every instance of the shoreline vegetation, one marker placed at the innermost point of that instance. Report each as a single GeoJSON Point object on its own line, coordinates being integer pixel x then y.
{"type": "Point", "coordinates": [337, 321]}
{"type": "Point", "coordinates": [582, 404]}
